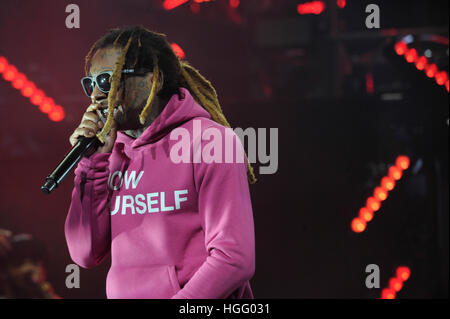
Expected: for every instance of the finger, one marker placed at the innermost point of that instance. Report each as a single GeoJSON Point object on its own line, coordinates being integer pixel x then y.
{"type": "Point", "coordinates": [83, 131]}
{"type": "Point", "coordinates": [89, 124]}
{"type": "Point", "coordinates": [93, 107]}
{"type": "Point", "coordinates": [90, 116]}
{"type": "Point", "coordinates": [80, 132]}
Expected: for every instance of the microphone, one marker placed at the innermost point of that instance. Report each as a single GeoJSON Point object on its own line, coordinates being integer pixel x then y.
{"type": "Point", "coordinates": [71, 159]}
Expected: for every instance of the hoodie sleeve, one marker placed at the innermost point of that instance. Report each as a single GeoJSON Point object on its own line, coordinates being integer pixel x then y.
{"type": "Point", "coordinates": [87, 227]}
{"type": "Point", "coordinates": [227, 220]}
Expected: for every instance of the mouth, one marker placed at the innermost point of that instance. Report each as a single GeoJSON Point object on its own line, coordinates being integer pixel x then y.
{"type": "Point", "coordinates": [103, 112]}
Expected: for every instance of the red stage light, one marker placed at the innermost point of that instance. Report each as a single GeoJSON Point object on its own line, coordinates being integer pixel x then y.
{"type": "Point", "coordinates": [341, 3]}
{"type": "Point", "coordinates": [401, 48]}
{"type": "Point", "coordinates": [358, 225]}
{"type": "Point", "coordinates": [387, 293]}
{"type": "Point", "coordinates": [446, 85]}
{"type": "Point", "coordinates": [47, 105]}
{"type": "Point", "coordinates": [431, 70]}
{"type": "Point", "coordinates": [19, 81]}
{"type": "Point", "coordinates": [10, 72]}
{"type": "Point", "coordinates": [57, 114]}
{"type": "Point", "coordinates": [313, 7]}
{"type": "Point", "coordinates": [403, 273]}
{"type": "Point", "coordinates": [369, 83]}
{"type": "Point", "coordinates": [441, 77]}
{"type": "Point", "coordinates": [3, 64]}
{"type": "Point", "coordinates": [421, 63]}
{"type": "Point", "coordinates": [178, 50]}
{"type": "Point", "coordinates": [411, 55]}
{"type": "Point", "coordinates": [37, 98]}
{"type": "Point", "coordinates": [234, 3]}
{"type": "Point", "coordinates": [388, 183]}
{"type": "Point", "coordinates": [366, 214]}
{"type": "Point", "coordinates": [380, 193]}
{"type": "Point", "coordinates": [402, 162]}
{"type": "Point", "coordinates": [28, 89]}
{"type": "Point", "coordinates": [172, 4]}
{"type": "Point", "coordinates": [395, 172]}
{"type": "Point", "coordinates": [373, 204]}
{"type": "Point", "coordinates": [395, 284]}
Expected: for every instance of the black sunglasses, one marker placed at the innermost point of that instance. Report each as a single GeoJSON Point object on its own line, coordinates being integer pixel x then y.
{"type": "Point", "coordinates": [102, 80]}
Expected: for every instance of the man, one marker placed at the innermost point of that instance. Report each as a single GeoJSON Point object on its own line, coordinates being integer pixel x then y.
{"type": "Point", "coordinates": [174, 229]}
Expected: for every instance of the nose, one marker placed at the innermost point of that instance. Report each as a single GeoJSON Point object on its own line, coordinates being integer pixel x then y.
{"type": "Point", "coordinates": [98, 96]}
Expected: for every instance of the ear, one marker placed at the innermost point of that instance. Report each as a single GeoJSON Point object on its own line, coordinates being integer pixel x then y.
{"type": "Point", "coordinates": [161, 81]}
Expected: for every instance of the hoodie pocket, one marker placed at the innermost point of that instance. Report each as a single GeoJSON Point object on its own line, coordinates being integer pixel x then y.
{"type": "Point", "coordinates": [145, 282]}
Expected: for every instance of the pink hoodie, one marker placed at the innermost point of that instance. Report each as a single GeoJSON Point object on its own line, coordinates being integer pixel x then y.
{"type": "Point", "coordinates": [174, 230]}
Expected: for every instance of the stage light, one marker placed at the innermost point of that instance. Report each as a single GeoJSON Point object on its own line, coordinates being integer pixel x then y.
{"type": "Point", "coordinates": [19, 81]}
{"type": "Point", "coordinates": [401, 48]}
{"type": "Point", "coordinates": [9, 73]}
{"type": "Point", "coordinates": [341, 3]}
{"type": "Point", "coordinates": [395, 172]}
{"type": "Point", "coordinates": [431, 70]}
{"type": "Point", "coordinates": [421, 63]}
{"type": "Point", "coordinates": [446, 85]}
{"type": "Point", "coordinates": [380, 193]}
{"type": "Point", "coordinates": [178, 50]}
{"type": "Point", "coordinates": [358, 225]}
{"type": "Point", "coordinates": [366, 214]}
{"type": "Point", "coordinates": [313, 7]}
{"type": "Point", "coordinates": [28, 89]}
{"type": "Point", "coordinates": [37, 97]}
{"type": "Point", "coordinates": [3, 64]}
{"type": "Point", "coordinates": [441, 77]}
{"type": "Point", "coordinates": [369, 83]}
{"type": "Point", "coordinates": [57, 114]}
{"type": "Point", "coordinates": [172, 4]}
{"type": "Point", "coordinates": [411, 55]}
{"type": "Point", "coordinates": [395, 284]}
{"type": "Point", "coordinates": [388, 183]}
{"type": "Point", "coordinates": [47, 105]}
{"type": "Point", "coordinates": [387, 293]}
{"type": "Point", "coordinates": [402, 162]}
{"type": "Point", "coordinates": [373, 204]}
{"type": "Point", "coordinates": [234, 3]}
{"type": "Point", "coordinates": [403, 273]}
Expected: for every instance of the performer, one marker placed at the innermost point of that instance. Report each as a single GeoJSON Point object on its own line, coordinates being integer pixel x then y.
{"type": "Point", "coordinates": [174, 229]}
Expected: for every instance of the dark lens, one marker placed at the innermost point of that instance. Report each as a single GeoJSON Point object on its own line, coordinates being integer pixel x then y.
{"type": "Point", "coordinates": [88, 86]}
{"type": "Point", "coordinates": [103, 82]}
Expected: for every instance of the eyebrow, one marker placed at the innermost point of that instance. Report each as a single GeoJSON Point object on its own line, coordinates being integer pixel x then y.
{"type": "Point", "coordinates": [102, 70]}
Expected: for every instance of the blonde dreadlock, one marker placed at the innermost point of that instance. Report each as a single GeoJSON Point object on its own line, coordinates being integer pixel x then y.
{"type": "Point", "coordinates": [200, 88]}
{"type": "Point", "coordinates": [205, 95]}
{"type": "Point", "coordinates": [147, 107]}
{"type": "Point", "coordinates": [115, 81]}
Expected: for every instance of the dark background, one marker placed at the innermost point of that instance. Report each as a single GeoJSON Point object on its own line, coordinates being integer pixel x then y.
{"type": "Point", "coordinates": [271, 67]}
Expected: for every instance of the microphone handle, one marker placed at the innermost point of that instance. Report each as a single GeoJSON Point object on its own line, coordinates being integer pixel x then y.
{"type": "Point", "coordinates": [68, 163]}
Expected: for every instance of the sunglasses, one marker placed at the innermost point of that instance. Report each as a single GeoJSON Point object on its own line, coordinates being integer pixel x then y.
{"type": "Point", "coordinates": [102, 80]}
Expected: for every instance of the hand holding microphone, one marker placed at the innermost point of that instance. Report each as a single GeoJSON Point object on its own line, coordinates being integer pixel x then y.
{"type": "Point", "coordinates": [85, 143]}
{"type": "Point", "coordinates": [90, 125]}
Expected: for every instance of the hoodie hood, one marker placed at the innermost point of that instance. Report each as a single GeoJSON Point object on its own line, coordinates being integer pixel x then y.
{"type": "Point", "coordinates": [180, 109]}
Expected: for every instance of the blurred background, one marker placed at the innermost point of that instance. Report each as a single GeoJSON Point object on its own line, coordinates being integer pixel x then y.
{"type": "Point", "coordinates": [347, 101]}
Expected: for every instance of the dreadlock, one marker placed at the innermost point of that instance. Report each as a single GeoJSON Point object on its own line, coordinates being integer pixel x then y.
{"type": "Point", "coordinates": [143, 48]}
